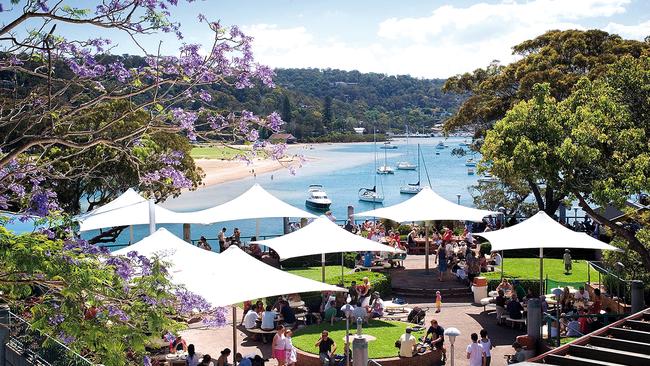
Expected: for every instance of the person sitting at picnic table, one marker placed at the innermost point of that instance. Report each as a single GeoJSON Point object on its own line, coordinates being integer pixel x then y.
{"type": "Point", "coordinates": [495, 258]}
{"type": "Point", "coordinates": [259, 307]}
{"type": "Point", "coordinates": [377, 307]}
{"type": "Point", "coordinates": [514, 307]}
{"type": "Point", "coordinates": [203, 243]}
{"type": "Point", "coordinates": [447, 234]}
{"type": "Point", "coordinates": [255, 249]}
{"type": "Point", "coordinates": [529, 295]}
{"type": "Point", "coordinates": [288, 314]}
{"type": "Point", "coordinates": [178, 344]}
{"type": "Point", "coordinates": [206, 360]}
{"type": "Point", "coordinates": [268, 318]}
{"type": "Point", "coordinates": [504, 285]}
{"type": "Point", "coordinates": [330, 312]}
{"type": "Point", "coordinates": [437, 338]}
{"type": "Point", "coordinates": [581, 295]}
{"type": "Point", "coordinates": [192, 358]}
{"type": "Point", "coordinates": [596, 307]}
{"type": "Point", "coordinates": [407, 344]}
{"type": "Point", "coordinates": [500, 302]}
{"type": "Point", "coordinates": [326, 348]}
{"type": "Point", "coordinates": [250, 319]}
{"type": "Point", "coordinates": [410, 238]}
{"type": "Point", "coordinates": [223, 358]}
{"type": "Point", "coordinates": [482, 261]}
{"type": "Point", "coordinates": [519, 355]}
{"type": "Point", "coordinates": [236, 236]}
{"type": "Point", "coordinates": [353, 293]}
{"type": "Point", "coordinates": [573, 328]}
{"type": "Point", "coordinates": [565, 299]}
{"type": "Point", "coordinates": [364, 290]}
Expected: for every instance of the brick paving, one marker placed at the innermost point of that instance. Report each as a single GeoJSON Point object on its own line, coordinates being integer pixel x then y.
{"type": "Point", "coordinates": [456, 312]}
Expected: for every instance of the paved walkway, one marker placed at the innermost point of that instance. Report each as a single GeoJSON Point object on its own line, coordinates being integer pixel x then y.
{"type": "Point", "coordinates": [460, 314]}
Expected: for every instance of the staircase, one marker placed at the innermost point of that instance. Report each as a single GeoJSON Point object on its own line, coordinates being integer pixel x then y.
{"type": "Point", "coordinates": [623, 343]}
{"type": "Point", "coordinates": [417, 283]}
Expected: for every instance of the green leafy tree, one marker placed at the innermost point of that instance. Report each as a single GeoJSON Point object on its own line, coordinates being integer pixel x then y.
{"type": "Point", "coordinates": [559, 58]}
{"type": "Point", "coordinates": [286, 109]}
{"type": "Point", "coordinates": [327, 114]}
{"type": "Point", "coordinates": [593, 145]}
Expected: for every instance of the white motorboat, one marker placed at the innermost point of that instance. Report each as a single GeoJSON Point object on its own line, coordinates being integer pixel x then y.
{"type": "Point", "coordinates": [385, 169]}
{"type": "Point", "coordinates": [470, 162]}
{"type": "Point", "coordinates": [470, 171]}
{"type": "Point", "coordinates": [405, 165]}
{"type": "Point", "coordinates": [370, 195]}
{"type": "Point", "coordinates": [317, 199]}
{"type": "Point", "coordinates": [440, 145]}
{"type": "Point", "coordinates": [388, 146]}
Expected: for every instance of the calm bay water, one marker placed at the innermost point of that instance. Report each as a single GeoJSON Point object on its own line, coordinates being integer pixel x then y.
{"type": "Point", "coordinates": [342, 169]}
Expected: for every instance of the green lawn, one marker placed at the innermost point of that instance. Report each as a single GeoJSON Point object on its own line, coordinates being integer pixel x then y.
{"type": "Point", "coordinates": [386, 332]}
{"type": "Point", "coordinates": [314, 273]}
{"type": "Point", "coordinates": [528, 268]}
{"type": "Point", "coordinates": [216, 152]}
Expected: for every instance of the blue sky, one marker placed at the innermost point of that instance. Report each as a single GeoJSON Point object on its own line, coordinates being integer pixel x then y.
{"type": "Point", "coordinates": [420, 38]}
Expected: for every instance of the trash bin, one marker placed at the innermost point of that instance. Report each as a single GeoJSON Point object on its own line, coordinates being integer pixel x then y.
{"type": "Point", "coordinates": [479, 288]}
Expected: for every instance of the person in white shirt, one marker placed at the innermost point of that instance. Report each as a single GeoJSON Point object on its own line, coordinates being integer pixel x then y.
{"type": "Point", "coordinates": [250, 319]}
{"type": "Point", "coordinates": [486, 343]}
{"type": "Point", "coordinates": [268, 318]}
{"type": "Point", "coordinates": [475, 352]}
{"type": "Point", "coordinates": [407, 344]}
{"type": "Point", "coordinates": [581, 295]}
{"type": "Point", "coordinates": [496, 257]}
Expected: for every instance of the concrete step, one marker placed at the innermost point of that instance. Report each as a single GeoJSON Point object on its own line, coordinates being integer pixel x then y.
{"type": "Point", "coordinates": [446, 293]}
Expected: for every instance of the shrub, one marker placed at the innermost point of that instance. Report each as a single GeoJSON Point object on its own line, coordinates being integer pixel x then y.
{"type": "Point", "coordinates": [486, 248]}
{"type": "Point", "coordinates": [380, 281]}
{"type": "Point", "coordinates": [404, 229]}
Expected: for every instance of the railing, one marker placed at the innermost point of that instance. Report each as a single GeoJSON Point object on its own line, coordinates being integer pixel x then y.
{"type": "Point", "coordinates": [614, 281]}
{"type": "Point", "coordinates": [549, 318]}
{"type": "Point", "coordinates": [37, 347]}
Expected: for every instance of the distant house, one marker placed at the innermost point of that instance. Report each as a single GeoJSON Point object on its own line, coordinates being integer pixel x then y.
{"type": "Point", "coordinates": [284, 138]}
{"type": "Point", "coordinates": [359, 130]}
{"type": "Point", "coordinates": [612, 213]}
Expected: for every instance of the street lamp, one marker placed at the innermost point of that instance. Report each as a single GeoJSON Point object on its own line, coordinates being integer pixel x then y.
{"type": "Point", "coordinates": [452, 333]}
{"type": "Point", "coordinates": [347, 310]}
{"type": "Point", "coordinates": [458, 198]}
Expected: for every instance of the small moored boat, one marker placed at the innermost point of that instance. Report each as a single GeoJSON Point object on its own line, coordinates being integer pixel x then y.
{"type": "Point", "coordinates": [370, 195]}
{"type": "Point", "coordinates": [318, 199]}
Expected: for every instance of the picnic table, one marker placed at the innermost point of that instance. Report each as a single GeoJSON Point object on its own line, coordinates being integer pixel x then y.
{"type": "Point", "coordinates": [391, 307]}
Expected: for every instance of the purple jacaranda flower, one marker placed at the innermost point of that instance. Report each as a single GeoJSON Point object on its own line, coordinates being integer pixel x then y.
{"type": "Point", "coordinates": [119, 71]}
{"type": "Point", "coordinates": [274, 122]}
{"type": "Point", "coordinates": [56, 319]}
{"type": "Point", "coordinates": [146, 361]}
{"type": "Point", "coordinates": [252, 135]}
{"type": "Point", "coordinates": [205, 96]}
{"type": "Point", "coordinates": [66, 339]}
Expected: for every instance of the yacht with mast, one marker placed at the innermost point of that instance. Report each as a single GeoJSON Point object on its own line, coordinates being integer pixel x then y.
{"type": "Point", "coordinates": [371, 194]}
{"type": "Point", "coordinates": [385, 169]}
{"type": "Point", "coordinates": [413, 188]}
{"type": "Point", "coordinates": [406, 165]}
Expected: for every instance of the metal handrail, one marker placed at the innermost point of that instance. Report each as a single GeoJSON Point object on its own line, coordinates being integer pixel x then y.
{"type": "Point", "coordinates": [15, 321]}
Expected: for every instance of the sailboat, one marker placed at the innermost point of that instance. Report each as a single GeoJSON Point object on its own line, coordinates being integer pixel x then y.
{"type": "Point", "coordinates": [385, 169]}
{"type": "Point", "coordinates": [406, 165]}
{"type": "Point", "coordinates": [371, 194]}
{"type": "Point", "coordinates": [413, 188]}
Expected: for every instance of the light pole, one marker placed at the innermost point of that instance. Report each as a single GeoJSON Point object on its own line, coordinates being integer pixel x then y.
{"type": "Point", "coordinates": [452, 333]}
{"type": "Point", "coordinates": [458, 198]}
{"type": "Point", "coordinates": [347, 310]}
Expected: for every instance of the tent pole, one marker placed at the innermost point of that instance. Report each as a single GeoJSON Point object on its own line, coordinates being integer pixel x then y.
{"type": "Point", "coordinates": [322, 264]}
{"type": "Point", "coordinates": [234, 334]}
{"type": "Point", "coordinates": [541, 271]}
{"type": "Point", "coordinates": [257, 228]}
{"type": "Point", "coordinates": [426, 248]}
{"type": "Point", "coordinates": [152, 215]}
{"type": "Point", "coordinates": [131, 241]}
{"type": "Point", "coordinates": [502, 265]}
{"type": "Point", "coordinates": [342, 255]}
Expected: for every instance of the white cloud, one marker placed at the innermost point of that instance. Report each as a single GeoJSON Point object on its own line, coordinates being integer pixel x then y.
{"type": "Point", "coordinates": [639, 31]}
{"type": "Point", "coordinates": [449, 41]}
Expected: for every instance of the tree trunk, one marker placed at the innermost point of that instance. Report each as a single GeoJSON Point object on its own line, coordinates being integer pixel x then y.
{"type": "Point", "coordinates": [633, 242]}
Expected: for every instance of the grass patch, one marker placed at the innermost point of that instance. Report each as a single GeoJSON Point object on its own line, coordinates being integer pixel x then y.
{"type": "Point", "coordinates": [314, 273]}
{"type": "Point", "coordinates": [385, 332]}
{"type": "Point", "coordinates": [565, 340]}
{"type": "Point", "coordinates": [528, 268]}
{"type": "Point", "coordinates": [220, 152]}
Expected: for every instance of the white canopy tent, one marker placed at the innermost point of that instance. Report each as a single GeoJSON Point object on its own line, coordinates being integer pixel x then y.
{"type": "Point", "coordinates": [541, 231]}
{"type": "Point", "coordinates": [221, 278]}
{"type": "Point", "coordinates": [320, 237]}
{"type": "Point", "coordinates": [127, 210]}
{"type": "Point", "coordinates": [425, 206]}
{"type": "Point", "coordinates": [253, 204]}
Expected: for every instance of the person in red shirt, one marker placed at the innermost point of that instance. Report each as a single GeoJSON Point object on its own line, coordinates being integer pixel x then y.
{"type": "Point", "coordinates": [598, 303]}
{"type": "Point", "coordinates": [446, 237]}
{"type": "Point", "coordinates": [583, 321]}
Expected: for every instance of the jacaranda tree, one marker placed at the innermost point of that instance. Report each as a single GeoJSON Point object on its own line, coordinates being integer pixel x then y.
{"type": "Point", "coordinates": [66, 101]}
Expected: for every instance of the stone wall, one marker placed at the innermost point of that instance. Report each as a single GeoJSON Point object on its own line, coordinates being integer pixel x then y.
{"type": "Point", "coordinates": [431, 358]}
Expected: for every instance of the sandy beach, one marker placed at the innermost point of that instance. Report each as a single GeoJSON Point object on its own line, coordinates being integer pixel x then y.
{"type": "Point", "coordinates": [220, 171]}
